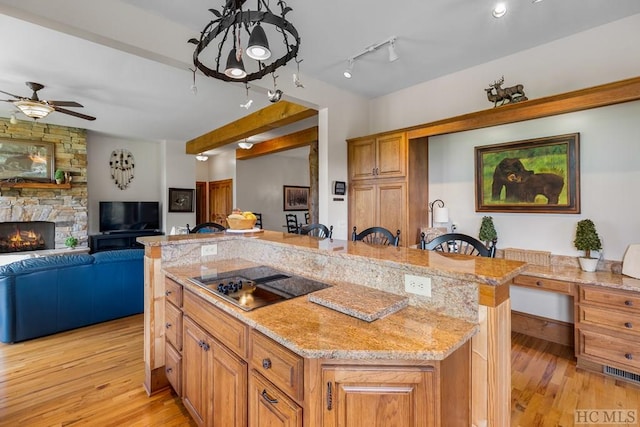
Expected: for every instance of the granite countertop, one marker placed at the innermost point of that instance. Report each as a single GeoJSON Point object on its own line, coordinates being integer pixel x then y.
{"type": "Point", "coordinates": [315, 331]}
{"type": "Point", "coordinates": [576, 275]}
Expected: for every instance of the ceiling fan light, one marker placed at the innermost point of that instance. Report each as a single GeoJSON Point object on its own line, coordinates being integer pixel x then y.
{"type": "Point", "coordinates": [235, 67]}
{"type": "Point", "coordinates": [258, 47]}
{"type": "Point", "coordinates": [245, 145]}
{"type": "Point", "coordinates": [35, 110]}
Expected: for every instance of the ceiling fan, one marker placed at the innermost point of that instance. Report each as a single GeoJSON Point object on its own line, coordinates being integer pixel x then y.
{"type": "Point", "coordinates": [37, 109]}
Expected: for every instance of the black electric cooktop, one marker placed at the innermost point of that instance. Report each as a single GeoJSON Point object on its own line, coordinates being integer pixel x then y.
{"type": "Point", "coordinates": [255, 287]}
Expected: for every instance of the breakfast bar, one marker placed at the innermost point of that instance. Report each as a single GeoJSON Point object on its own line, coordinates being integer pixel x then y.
{"type": "Point", "coordinates": [441, 353]}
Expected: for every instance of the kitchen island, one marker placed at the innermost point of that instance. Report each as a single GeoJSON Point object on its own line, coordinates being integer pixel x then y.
{"type": "Point", "coordinates": [468, 295]}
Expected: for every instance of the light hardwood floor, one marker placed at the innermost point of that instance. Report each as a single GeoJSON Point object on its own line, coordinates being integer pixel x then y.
{"type": "Point", "coordinates": [93, 377]}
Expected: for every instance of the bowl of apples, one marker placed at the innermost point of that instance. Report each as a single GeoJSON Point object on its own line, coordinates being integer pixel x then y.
{"type": "Point", "coordinates": [239, 220]}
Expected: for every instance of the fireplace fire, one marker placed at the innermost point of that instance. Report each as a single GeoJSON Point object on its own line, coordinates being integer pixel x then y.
{"type": "Point", "coordinates": [26, 236]}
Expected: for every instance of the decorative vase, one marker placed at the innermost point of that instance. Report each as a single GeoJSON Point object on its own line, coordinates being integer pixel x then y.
{"type": "Point", "coordinates": [58, 181]}
{"type": "Point", "coordinates": [588, 264]}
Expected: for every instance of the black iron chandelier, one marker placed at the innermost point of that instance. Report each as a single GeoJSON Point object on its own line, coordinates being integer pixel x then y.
{"type": "Point", "coordinates": [231, 27]}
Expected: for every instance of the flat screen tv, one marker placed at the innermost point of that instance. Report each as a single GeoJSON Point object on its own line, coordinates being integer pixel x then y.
{"type": "Point", "coordinates": [129, 216]}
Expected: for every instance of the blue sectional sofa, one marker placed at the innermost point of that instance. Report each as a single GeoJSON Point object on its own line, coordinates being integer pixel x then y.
{"type": "Point", "coordinates": [42, 296]}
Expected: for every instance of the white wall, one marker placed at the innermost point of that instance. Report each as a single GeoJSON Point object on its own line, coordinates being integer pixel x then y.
{"type": "Point", "coordinates": [145, 185]}
{"type": "Point", "coordinates": [260, 181]}
{"type": "Point", "coordinates": [178, 171]}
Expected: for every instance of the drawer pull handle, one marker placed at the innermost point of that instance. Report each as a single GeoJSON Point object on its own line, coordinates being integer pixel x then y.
{"type": "Point", "coordinates": [266, 363]}
{"type": "Point", "coordinates": [203, 345]}
{"type": "Point", "coordinates": [167, 325]}
{"type": "Point", "coordinates": [539, 283]}
{"type": "Point", "coordinates": [628, 356]}
{"type": "Point", "coordinates": [329, 397]}
{"type": "Point", "coordinates": [167, 293]}
{"type": "Point", "coordinates": [628, 325]}
{"type": "Point", "coordinates": [268, 398]}
{"type": "Point", "coordinates": [628, 303]}
{"type": "Point", "coordinates": [169, 370]}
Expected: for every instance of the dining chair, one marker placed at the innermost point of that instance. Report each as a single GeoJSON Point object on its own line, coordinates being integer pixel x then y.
{"type": "Point", "coordinates": [376, 236]}
{"type": "Point", "coordinates": [258, 220]}
{"type": "Point", "coordinates": [207, 227]}
{"type": "Point", "coordinates": [458, 243]}
{"type": "Point", "coordinates": [317, 230]}
{"type": "Point", "coordinates": [306, 217]}
{"type": "Point", "coordinates": [292, 223]}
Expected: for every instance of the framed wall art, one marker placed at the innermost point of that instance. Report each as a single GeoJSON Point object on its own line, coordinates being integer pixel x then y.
{"type": "Point", "coordinates": [539, 175]}
{"type": "Point", "coordinates": [181, 199]}
{"type": "Point", "coordinates": [24, 161]}
{"type": "Point", "coordinates": [295, 198]}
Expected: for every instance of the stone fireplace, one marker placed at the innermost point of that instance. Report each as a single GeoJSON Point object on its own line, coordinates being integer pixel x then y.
{"type": "Point", "coordinates": [63, 205]}
{"type": "Point", "coordinates": [22, 236]}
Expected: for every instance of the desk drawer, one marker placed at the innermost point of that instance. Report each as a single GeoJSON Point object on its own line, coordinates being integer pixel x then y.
{"type": "Point", "coordinates": [610, 350]}
{"type": "Point", "coordinates": [173, 325]}
{"type": "Point", "coordinates": [279, 365]}
{"type": "Point", "coordinates": [544, 284]}
{"type": "Point", "coordinates": [173, 292]}
{"type": "Point", "coordinates": [611, 297]}
{"type": "Point", "coordinates": [622, 321]}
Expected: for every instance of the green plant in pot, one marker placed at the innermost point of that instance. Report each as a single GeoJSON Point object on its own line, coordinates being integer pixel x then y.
{"type": "Point", "coordinates": [59, 176]}
{"type": "Point", "coordinates": [71, 242]}
{"type": "Point", "coordinates": [587, 240]}
{"type": "Point", "coordinates": [488, 232]}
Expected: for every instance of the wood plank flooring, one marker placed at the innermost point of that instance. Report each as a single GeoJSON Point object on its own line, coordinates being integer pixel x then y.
{"type": "Point", "coordinates": [93, 377]}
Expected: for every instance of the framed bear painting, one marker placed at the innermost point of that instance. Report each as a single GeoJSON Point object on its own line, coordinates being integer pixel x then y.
{"type": "Point", "coordinates": [539, 175]}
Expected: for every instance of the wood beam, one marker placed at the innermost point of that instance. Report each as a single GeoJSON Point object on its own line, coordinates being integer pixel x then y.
{"type": "Point", "coordinates": [287, 142]}
{"type": "Point", "coordinates": [274, 116]}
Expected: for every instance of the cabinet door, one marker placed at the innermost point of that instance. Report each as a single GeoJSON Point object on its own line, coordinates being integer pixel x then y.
{"type": "Point", "coordinates": [270, 407]}
{"type": "Point", "coordinates": [392, 208]}
{"type": "Point", "coordinates": [196, 371]}
{"type": "Point", "coordinates": [229, 389]}
{"type": "Point", "coordinates": [362, 159]}
{"type": "Point", "coordinates": [363, 206]}
{"type": "Point", "coordinates": [391, 156]}
{"type": "Point", "coordinates": [378, 397]}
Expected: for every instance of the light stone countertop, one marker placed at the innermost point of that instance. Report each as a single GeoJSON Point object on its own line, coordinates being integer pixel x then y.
{"type": "Point", "coordinates": [315, 331]}
{"type": "Point", "coordinates": [576, 275]}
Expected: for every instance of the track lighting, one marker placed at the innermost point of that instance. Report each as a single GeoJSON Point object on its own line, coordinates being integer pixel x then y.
{"type": "Point", "coordinates": [348, 72]}
{"type": "Point", "coordinates": [393, 55]}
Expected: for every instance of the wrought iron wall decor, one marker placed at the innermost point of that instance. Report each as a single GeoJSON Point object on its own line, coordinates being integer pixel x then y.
{"type": "Point", "coordinates": [226, 32]}
{"type": "Point", "coordinates": [122, 166]}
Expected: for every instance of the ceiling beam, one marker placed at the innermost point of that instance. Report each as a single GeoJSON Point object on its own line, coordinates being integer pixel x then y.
{"type": "Point", "coordinates": [287, 142]}
{"type": "Point", "coordinates": [274, 116]}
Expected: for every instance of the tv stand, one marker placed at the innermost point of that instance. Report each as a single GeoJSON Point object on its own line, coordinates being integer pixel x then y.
{"type": "Point", "coordinates": [125, 239]}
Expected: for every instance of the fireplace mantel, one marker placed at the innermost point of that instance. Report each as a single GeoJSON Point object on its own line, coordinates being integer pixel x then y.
{"type": "Point", "coordinates": [65, 186]}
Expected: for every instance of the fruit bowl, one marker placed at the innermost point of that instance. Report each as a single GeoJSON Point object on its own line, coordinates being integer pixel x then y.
{"type": "Point", "coordinates": [241, 224]}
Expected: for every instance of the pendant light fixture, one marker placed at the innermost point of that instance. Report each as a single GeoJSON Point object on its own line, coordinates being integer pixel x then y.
{"type": "Point", "coordinates": [223, 37]}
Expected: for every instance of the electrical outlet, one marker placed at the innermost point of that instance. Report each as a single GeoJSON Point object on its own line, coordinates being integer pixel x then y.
{"type": "Point", "coordinates": [418, 285]}
{"type": "Point", "coordinates": [209, 250]}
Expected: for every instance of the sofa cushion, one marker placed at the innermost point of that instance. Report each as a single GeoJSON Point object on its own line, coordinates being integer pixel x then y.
{"type": "Point", "coordinates": [118, 256]}
{"type": "Point", "coordinates": [33, 265]}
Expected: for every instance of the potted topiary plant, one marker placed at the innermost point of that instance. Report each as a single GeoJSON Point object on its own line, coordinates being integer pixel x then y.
{"type": "Point", "coordinates": [488, 232]}
{"type": "Point", "coordinates": [59, 176]}
{"type": "Point", "coordinates": [71, 242]}
{"type": "Point", "coordinates": [587, 240]}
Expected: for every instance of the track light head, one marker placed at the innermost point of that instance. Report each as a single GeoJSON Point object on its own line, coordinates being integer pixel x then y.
{"type": "Point", "coordinates": [348, 73]}
{"type": "Point", "coordinates": [393, 55]}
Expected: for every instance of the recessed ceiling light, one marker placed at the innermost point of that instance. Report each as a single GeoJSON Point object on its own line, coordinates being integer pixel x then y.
{"type": "Point", "coordinates": [499, 10]}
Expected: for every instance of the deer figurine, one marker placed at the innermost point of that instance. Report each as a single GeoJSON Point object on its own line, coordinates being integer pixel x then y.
{"type": "Point", "coordinates": [506, 95]}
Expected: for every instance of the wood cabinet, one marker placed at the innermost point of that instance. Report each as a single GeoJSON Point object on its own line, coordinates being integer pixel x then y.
{"type": "Point", "coordinates": [378, 157]}
{"type": "Point", "coordinates": [608, 329]}
{"type": "Point", "coordinates": [214, 380]}
{"type": "Point", "coordinates": [173, 334]}
{"type": "Point", "coordinates": [388, 184]}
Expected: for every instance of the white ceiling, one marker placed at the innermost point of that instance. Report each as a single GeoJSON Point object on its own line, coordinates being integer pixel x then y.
{"type": "Point", "coordinates": [127, 61]}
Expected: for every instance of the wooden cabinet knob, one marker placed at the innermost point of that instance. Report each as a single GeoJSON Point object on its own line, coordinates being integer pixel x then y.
{"type": "Point", "coordinates": [628, 325]}
{"type": "Point", "coordinates": [628, 303]}
{"type": "Point", "coordinates": [628, 356]}
{"type": "Point", "coordinates": [167, 325]}
{"type": "Point", "coordinates": [169, 370]}
{"type": "Point", "coordinates": [266, 363]}
{"type": "Point", "coordinates": [539, 283]}
{"type": "Point", "coordinates": [167, 293]}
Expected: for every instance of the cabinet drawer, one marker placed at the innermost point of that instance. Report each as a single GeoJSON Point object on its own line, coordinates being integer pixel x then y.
{"type": "Point", "coordinates": [173, 325]}
{"type": "Point", "coordinates": [279, 365]}
{"type": "Point", "coordinates": [269, 406]}
{"type": "Point", "coordinates": [173, 292]}
{"type": "Point", "coordinates": [173, 368]}
{"type": "Point", "coordinates": [229, 331]}
{"type": "Point", "coordinates": [611, 297]}
{"type": "Point", "coordinates": [622, 320]}
{"type": "Point", "coordinates": [544, 284]}
{"type": "Point", "coordinates": [610, 350]}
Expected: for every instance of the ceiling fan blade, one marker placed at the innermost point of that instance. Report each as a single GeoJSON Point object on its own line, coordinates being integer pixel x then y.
{"type": "Point", "coordinates": [65, 104]}
{"type": "Point", "coordinates": [72, 113]}
{"type": "Point", "coordinates": [10, 94]}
